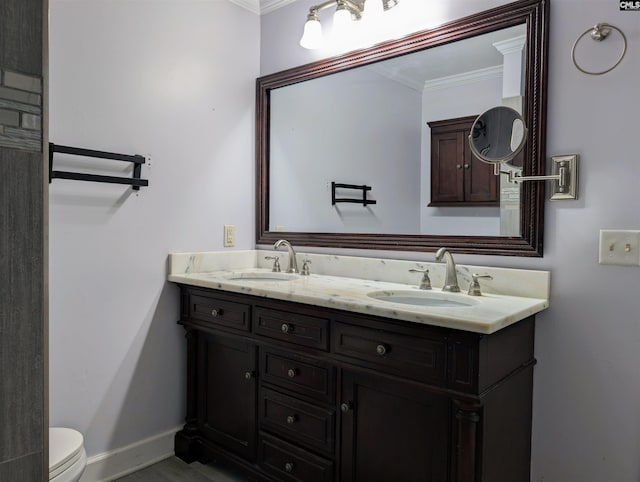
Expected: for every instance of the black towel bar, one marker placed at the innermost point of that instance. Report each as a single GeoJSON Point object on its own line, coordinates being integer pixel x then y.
{"type": "Point", "coordinates": [135, 182]}
{"type": "Point", "coordinates": [363, 200]}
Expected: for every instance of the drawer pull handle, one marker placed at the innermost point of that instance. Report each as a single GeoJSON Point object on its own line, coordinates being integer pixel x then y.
{"type": "Point", "coordinates": [381, 350]}
{"type": "Point", "coordinates": [291, 419]}
{"type": "Point", "coordinates": [345, 407]}
{"type": "Point", "coordinates": [292, 372]}
{"type": "Point", "coordinates": [288, 467]}
{"type": "Point", "coordinates": [216, 312]}
{"type": "Point", "coordinates": [286, 328]}
{"type": "Point", "coordinates": [249, 375]}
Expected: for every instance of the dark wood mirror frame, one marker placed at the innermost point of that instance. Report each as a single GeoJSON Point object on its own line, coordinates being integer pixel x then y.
{"type": "Point", "coordinates": [533, 13]}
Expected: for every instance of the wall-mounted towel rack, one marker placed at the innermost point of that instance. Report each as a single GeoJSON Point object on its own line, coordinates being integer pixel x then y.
{"type": "Point", "coordinates": [599, 32]}
{"type": "Point", "coordinates": [134, 181]}
{"type": "Point", "coordinates": [363, 200]}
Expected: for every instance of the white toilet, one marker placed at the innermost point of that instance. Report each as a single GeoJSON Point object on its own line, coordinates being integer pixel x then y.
{"type": "Point", "coordinates": [67, 457]}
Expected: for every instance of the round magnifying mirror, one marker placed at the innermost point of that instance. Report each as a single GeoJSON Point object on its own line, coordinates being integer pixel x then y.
{"type": "Point", "coordinates": [498, 135]}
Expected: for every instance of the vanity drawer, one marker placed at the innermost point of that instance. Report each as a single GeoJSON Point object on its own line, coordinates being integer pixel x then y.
{"type": "Point", "coordinates": [407, 355]}
{"type": "Point", "coordinates": [290, 463]}
{"type": "Point", "coordinates": [310, 378]}
{"type": "Point", "coordinates": [304, 330]}
{"type": "Point", "coordinates": [219, 312]}
{"type": "Point", "coordinates": [297, 421]}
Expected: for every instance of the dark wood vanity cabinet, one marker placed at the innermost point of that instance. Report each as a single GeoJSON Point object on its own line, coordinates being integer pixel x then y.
{"type": "Point", "coordinates": [392, 430]}
{"type": "Point", "coordinates": [227, 417]}
{"type": "Point", "coordinates": [291, 392]}
{"type": "Point", "coordinates": [458, 178]}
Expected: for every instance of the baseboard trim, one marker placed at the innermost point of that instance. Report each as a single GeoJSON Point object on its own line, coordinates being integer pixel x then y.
{"type": "Point", "coordinates": [122, 461]}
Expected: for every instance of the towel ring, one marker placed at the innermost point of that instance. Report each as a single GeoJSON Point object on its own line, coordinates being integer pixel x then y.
{"type": "Point", "coordinates": [599, 32]}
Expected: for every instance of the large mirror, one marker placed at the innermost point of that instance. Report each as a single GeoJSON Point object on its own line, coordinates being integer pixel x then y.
{"type": "Point", "coordinates": [345, 148]}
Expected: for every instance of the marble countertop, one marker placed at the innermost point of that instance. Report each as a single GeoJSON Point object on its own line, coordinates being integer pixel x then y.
{"type": "Point", "coordinates": [485, 314]}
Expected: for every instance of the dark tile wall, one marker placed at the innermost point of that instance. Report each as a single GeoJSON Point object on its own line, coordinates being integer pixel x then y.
{"type": "Point", "coordinates": [23, 365]}
{"type": "Point", "coordinates": [20, 110]}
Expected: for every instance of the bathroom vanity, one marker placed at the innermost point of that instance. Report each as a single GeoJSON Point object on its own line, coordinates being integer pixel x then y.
{"type": "Point", "coordinates": [309, 378]}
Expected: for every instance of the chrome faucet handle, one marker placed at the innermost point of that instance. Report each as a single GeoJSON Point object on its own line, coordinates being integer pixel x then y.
{"type": "Point", "coordinates": [425, 282]}
{"type": "Point", "coordinates": [276, 263]}
{"type": "Point", "coordinates": [474, 287]}
{"type": "Point", "coordinates": [305, 267]}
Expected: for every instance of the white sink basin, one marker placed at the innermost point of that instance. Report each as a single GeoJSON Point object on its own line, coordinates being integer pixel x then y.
{"type": "Point", "coordinates": [262, 276]}
{"type": "Point", "coordinates": [423, 298]}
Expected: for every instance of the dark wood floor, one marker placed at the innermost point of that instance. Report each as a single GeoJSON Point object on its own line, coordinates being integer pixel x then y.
{"type": "Point", "coordinates": [175, 470]}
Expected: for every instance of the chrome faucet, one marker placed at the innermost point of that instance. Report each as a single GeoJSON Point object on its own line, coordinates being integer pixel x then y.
{"type": "Point", "coordinates": [293, 263]}
{"type": "Point", "coordinates": [451, 278]}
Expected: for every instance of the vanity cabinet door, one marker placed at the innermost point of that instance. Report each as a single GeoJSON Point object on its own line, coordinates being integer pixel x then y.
{"type": "Point", "coordinates": [227, 394]}
{"type": "Point", "coordinates": [392, 430]}
{"type": "Point", "coordinates": [447, 174]}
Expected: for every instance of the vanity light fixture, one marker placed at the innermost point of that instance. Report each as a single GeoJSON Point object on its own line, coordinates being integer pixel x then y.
{"type": "Point", "coordinates": [346, 12]}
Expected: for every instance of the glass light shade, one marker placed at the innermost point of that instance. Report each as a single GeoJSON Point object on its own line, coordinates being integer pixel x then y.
{"type": "Point", "coordinates": [341, 21]}
{"type": "Point", "coordinates": [373, 10]}
{"type": "Point", "coordinates": [372, 21]}
{"type": "Point", "coordinates": [312, 36]}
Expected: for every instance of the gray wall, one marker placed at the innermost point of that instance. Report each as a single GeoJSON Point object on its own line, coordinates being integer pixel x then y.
{"type": "Point", "coordinates": [23, 414]}
{"type": "Point", "coordinates": [300, 192]}
{"type": "Point", "coordinates": [172, 80]}
{"type": "Point", "coordinates": [586, 421]}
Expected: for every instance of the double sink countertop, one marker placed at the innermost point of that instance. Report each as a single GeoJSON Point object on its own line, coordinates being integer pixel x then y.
{"type": "Point", "coordinates": [360, 285]}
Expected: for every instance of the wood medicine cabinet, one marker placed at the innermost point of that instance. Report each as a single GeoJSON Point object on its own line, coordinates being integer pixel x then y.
{"type": "Point", "coordinates": [457, 177]}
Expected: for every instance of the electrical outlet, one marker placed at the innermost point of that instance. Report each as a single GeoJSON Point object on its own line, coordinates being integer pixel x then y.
{"type": "Point", "coordinates": [619, 247]}
{"type": "Point", "coordinates": [229, 235]}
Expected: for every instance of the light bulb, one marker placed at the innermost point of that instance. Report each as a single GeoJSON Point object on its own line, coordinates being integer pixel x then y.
{"type": "Point", "coordinates": [372, 10]}
{"type": "Point", "coordinates": [312, 37]}
{"type": "Point", "coordinates": [341, 21]}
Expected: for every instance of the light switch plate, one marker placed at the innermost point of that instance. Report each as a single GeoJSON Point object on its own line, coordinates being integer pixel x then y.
{"type": "Point", "coordinates": [621, 247]}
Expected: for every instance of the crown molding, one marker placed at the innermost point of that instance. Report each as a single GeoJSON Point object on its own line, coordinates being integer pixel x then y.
{"type": "Point", "coordinates": [465, 78]}
{"type": "Point", "coordinates": [251, 5]}
{"type": "Point", "coordinates": [511, 45]}
{"type": "Point", "coordinates": [261, 7]}
{"type": "Point", "coordinates": [390, 74]}
{"type": "Point", "coordinates": [267, 6]}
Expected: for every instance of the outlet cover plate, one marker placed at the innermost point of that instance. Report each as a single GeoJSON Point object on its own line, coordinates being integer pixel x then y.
{"type": "Point", "coordinates": [229, 235]}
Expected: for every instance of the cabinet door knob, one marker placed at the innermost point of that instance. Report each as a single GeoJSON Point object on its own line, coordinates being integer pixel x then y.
{"type": "Point", "coordinates": [249, 375]}
{"type": "Point", "coordinates": [345, 407]}
{"type": "Point", "coordinates": [458, 166]}
{"type": "Point", "coordinates": [381, 350]}
{"type": "Point", "coordinates": [292, 372]}
{"type": "Point", "coordinates": [286, 328]}
{"type": "Point", "coordinates": [466, 166]}
{"type": "Point", "coordinates": [216, 312]}
{"type": "Point", "coordinates": [291, 419]}
{"type": "Point", "coordinates": [288, 467]}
